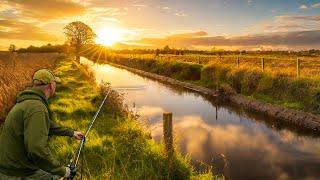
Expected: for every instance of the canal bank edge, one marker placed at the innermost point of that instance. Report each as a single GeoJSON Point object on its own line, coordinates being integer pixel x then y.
{"type": "Point", "coordinates": [300, 118]}
{"type": "Point", "coordinates": [119, 147]}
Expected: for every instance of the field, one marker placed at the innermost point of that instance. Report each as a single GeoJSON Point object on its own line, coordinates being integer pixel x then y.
{"type": "Point", "coordinates": [278, 83]}
{"type": "Point", "coordinates": [309, 65]}
{"type": "Point", "coordinates": [16, 72]}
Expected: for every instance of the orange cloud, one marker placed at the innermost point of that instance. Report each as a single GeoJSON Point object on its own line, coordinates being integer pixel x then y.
{"type": "Point", "coordinates": [11, 29]}
{"type": "Point", "coordinates": [292, 40]}
{"type": "Point", "coordinates": [47, 9]}
{"type": "Point", "coordinates": [191, 34]}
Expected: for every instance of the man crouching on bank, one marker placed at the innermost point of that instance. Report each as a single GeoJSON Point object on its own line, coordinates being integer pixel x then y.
{"type": "Point", "coordinates": [24, 149]}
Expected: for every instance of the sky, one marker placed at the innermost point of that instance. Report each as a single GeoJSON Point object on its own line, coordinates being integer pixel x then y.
{"type": "Point", "coordinates": [193, 24]}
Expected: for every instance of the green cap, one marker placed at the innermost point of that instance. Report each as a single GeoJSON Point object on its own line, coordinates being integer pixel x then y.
{"type": "Point", "coordinates": [45, 76]}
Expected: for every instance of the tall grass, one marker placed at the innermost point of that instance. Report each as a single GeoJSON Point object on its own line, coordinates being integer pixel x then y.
{"type": "Point", "coordinates": [285, 64]}
{"type": "Point", "coordinates": [16, 72]}
{"type": "Point", "coordinates": [117, 146]}
{"type": "Point", "coordinates": [278, 88]}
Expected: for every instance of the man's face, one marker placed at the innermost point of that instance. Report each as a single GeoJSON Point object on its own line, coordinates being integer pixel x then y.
{"type": "Point", "coordinates": [52, 88]}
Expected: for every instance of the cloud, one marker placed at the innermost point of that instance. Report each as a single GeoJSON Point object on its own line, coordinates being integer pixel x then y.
{"type": "Point", "coordinates": [11, 29]}
{"type": "Point", "coordinates": [139, 5]}
{"type": "Point", "coordinates": [303, 7]}
{"type": "Point", "coordinates": [287, 39]}
{"type": "Point", "coordinates": [149, 111]}
{"type": "Point", "coordinates": [317, 5]}
{"type": "Point", "coordinates": [287, 23]}
{"type": "Point", "coordinates": [273, 10]}
{"type": "Point", "coordinates": [106, 11]}
{"type": "Point", "coordinates": [190, 34]}
{"type": "Point", "coordinates": [47, 9]}
{"type": "Point", "coordinates": [181, 14]}
{"type": "Point", "coordinates": [299, 17]}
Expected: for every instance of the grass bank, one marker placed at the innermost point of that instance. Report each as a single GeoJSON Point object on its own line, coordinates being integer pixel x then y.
{"type": "Point", "coordinates": [297, 93]}
{"type": "Point", "coordinates": [117, 147]}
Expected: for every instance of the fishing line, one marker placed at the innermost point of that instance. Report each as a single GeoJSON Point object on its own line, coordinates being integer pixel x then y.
{"type": "Point", "coordinates": [75, 159]}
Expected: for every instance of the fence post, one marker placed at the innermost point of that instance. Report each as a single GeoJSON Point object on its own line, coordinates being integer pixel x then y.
{"type": "Point", "coordinates": [298, 67]}
{"type": "Point", "coordinates": [238, 62]}
{"type": "Point", "coordinates": [167, 132]}
{"type": "Point", "coordinates": [262, 64]}
{"type": "Point", "coordinates": [168, 139]}
{"type": "Point", "coordinates": [216, 112]}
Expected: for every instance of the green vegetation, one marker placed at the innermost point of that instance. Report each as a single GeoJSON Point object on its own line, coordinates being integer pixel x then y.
{"type": "Point", "coordinates": [273, 62]}
{"type": "Point", "coordinates": [117, 147]}
{"type": "Point", "coordinates": [301, 93]}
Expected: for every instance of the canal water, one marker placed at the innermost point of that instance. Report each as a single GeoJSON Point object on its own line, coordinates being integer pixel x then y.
{"type": "Point", "coordinates": [233, 142]}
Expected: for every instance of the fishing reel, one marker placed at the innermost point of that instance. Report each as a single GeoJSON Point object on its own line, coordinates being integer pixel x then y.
{"type": "Point", "coordinates": [73, 172]}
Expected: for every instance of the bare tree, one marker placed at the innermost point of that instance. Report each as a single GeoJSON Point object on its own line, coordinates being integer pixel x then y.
{"type": "Point", "coordinates": [79, 34]}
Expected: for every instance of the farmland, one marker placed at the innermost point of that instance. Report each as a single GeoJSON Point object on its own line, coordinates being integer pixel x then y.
{"type": "Point", "coordinates": [309, 65]}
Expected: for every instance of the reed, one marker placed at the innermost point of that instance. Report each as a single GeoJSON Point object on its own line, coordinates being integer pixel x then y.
{"type": "Point", "coordinates": [16, 72]}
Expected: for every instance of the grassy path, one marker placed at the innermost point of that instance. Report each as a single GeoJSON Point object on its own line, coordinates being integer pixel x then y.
{"type": "Point", "coordinates": [117, 146]}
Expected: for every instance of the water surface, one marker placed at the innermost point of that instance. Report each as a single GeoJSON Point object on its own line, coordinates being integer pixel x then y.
{"type": "Point", "coordinates": [236, 143]}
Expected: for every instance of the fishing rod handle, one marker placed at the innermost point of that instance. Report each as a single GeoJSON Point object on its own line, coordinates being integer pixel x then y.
{"type": "Point", "coordinates": [73, 172]}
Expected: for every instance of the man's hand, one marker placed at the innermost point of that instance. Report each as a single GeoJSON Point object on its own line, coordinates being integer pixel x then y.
{"type": "Point", "coordinates": [68, 172]}
{"type": "Point", "coordinates": [78, 135]}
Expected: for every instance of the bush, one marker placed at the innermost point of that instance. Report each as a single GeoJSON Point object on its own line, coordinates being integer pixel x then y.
{"type": "Point", "coordinates": [235, 77]}
{"type": "Point", "coordinates": [250, 82]}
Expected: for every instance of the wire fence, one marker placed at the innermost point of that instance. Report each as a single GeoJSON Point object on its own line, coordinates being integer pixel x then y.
{"type": "Point", "coordinates": [291, 66]}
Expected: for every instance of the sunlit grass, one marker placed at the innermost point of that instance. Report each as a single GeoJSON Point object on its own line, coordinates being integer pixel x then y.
{"type": "Point", "coordinates": [281, 63]}
{"type": "Point", "coordinates": [117, 146]}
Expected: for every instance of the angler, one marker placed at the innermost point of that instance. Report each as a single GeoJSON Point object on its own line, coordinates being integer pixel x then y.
{"type": "Point", "coordinates": [24, 151]}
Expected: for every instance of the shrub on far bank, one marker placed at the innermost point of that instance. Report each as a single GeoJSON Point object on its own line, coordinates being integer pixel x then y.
{"type": "Point", "coordinates": [301, 92]}
{"type": "Point", "coordinates": [179, 70]}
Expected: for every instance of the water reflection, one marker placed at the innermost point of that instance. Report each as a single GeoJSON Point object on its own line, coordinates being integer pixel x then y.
{"type": "Point", "coordinates": [236, 152]}
{"type": "Point", "coordinates": [238, 144]}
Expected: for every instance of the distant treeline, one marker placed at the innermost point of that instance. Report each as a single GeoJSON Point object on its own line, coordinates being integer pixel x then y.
{"type": "Point", "coordinates": [65, 48]}
{"type": "Point", "coordinates": [60, 48]}
{"type": "Point", "coordinates": [168, 50]}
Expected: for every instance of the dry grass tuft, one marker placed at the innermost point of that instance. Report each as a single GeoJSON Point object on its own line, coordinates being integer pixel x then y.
{"type": "Point", "coordinates": [16, 71]}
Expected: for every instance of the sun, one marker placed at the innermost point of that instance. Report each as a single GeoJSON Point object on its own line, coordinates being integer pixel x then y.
{"type": "Point", "coordinates": [109, 36]}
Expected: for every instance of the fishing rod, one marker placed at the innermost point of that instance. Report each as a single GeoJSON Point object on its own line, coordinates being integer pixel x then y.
{"type": "Point", "coordinates": [75, 159]}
